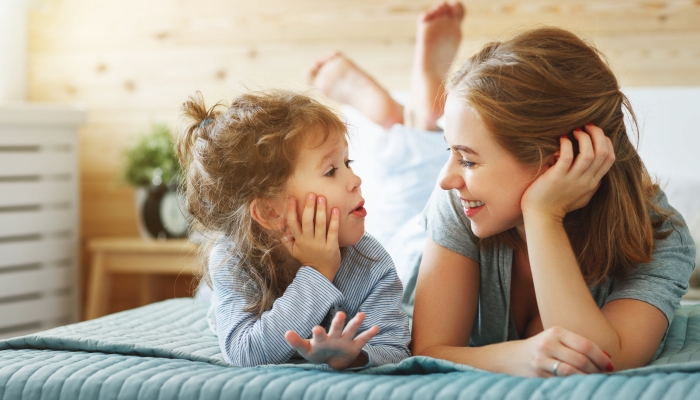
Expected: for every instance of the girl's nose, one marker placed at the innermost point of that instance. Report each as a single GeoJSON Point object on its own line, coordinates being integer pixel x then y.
{"type": "Point", "coordinates": [355, 181]}
{"type": "Point", "coordinates": [449, 178]}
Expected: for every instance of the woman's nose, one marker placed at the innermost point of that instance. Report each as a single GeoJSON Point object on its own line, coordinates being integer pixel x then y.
{"type": "Point", "coordinates": [449, 178]}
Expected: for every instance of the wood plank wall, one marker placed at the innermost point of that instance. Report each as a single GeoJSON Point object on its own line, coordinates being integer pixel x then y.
{"type": "Point", "coordinates": [133, 62]}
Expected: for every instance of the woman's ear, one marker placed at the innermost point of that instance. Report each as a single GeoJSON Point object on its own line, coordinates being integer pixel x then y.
{"type": "Point", "coordinates": [553, 159]}
{"type": "Point", "coordinates": [268, 213]}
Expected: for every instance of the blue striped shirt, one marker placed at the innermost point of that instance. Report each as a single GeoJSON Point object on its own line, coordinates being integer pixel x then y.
{"type": "Point", "coordinates": [361, 284]}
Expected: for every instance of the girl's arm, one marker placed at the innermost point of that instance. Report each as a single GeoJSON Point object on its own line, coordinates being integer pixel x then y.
{"type": "Point", "coordinates": [248, 341]}
{"type": "Point", "coordinates": [381, 308]}
{"type": "Point", "coordinates": [446, 302]}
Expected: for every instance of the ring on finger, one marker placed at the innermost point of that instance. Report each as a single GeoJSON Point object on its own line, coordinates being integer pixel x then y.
{"type": "Point", "coordinates": [554, 368]}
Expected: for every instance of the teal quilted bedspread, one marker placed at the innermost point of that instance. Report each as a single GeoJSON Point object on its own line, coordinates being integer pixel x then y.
{"type": "Point", "coordinates": [166, 351]}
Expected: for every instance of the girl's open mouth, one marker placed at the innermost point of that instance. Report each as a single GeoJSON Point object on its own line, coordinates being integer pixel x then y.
{"type": "Point", "coordinates": [360, 210]}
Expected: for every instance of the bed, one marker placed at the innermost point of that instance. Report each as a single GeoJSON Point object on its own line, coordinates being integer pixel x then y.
{"type": "Point", "coordinates": [166, 351]}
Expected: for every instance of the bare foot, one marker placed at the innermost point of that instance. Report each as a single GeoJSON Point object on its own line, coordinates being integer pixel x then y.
{"type": "Point", "coordinates": [343, 81]}
{"type": "Point", "coordinates": [437, 41]}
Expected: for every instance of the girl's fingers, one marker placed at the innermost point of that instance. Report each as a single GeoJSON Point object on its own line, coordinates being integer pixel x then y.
{"type": "Point", "coordinates": [366, 336]}
{"type": "Point", "coordinates": [288, 243]}
{"type": "Point", "coordinates": [354, 324]}
{"type": "Point", "coordinates": [320, 229]}
{"type": "Point", "coordinates": [337, 325]}
{"type": "Point", "coordinates": [292, 218]}
{"type": "Point", "coordinates": [297, 342]}
{"type": "Point", "coordinates": [318, 334]}
{"type": "Point", "coordinates": [307, 218]}
{"type": "Point", "coordinates": [332, 236]}
{"type": "Point", "coordinates": [587, 348]}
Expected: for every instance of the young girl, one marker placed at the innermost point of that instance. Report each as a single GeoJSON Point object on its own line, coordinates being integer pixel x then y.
{"type": "Point", "coordinates": [269, 181]}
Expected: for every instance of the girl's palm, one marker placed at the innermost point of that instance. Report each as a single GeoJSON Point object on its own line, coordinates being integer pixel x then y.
{"type": "Point", "coordinates": [338, 348]}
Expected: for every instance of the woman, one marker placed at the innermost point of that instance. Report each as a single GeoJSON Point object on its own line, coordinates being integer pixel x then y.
{"type": "Point", "coordinates": [548, 246]}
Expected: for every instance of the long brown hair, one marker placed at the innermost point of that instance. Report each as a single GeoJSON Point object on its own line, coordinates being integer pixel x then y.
{"type": "Point", "coordinates": [542, 84]}
{"type": "Point", "coordinates": [232, 156]}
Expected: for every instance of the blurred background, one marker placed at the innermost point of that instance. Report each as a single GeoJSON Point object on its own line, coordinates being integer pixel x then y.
{"type": "Point", "coordinates": [130, 65]}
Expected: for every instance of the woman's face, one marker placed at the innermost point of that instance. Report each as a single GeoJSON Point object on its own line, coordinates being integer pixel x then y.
{"type": "Point", "coordinates": [489, 180]}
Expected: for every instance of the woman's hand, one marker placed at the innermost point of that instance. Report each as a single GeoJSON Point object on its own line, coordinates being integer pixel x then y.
{"type": "Point", "coordinates": [309, 243]}
{"type": "Point", "coordinates": [558, 352]}
{"type": "Point", "coordinates": [570, 183]}
{"type": "Point", "coordinates": [339, 348]}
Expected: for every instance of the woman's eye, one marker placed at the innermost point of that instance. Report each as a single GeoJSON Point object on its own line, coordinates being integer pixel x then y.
{"type": "Point", "coordinates": [331, 172]}
{"type": "Point", "coordinates": [348, 162]}
{"type": "Point", "coordinates": [465, 163]}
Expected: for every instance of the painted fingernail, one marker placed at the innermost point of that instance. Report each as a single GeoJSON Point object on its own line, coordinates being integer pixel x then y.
{"type": "Point", "coordinates": [563, 136]}
{"type": "Point", "coordinates": [607, 354]}
{"type": "Point", "coordinates": [609, 367]}
{"type": "Point", "coordinates": [589, 124]}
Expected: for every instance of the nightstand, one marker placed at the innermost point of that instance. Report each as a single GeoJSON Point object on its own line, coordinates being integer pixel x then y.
{"type": "Point", "coordinates": [148, 257]}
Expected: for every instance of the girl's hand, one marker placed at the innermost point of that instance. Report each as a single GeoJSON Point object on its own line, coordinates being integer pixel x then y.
{"type": "Point", "coordinates": [338, 349]}
{"type": "Point", "coordinates": [568, 352]}
{"type": "Point", "coordinates": [308, 243]}
{"type": "Point", "coordinates": [570, 183]}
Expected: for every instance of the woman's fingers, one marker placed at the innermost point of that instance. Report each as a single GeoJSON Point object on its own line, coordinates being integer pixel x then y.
{"type": "Point", "coordinates": [580, 362]}
{"type": "Point", "coordinates": [586, 155]}
{"type": "Point", "coordinates": [566, 155]}
{"type": "Point", "coordinates": [608, 162]}
{"type": "Point", "coordinates": [307, 218]}
{"type": "Point", "coordinates": [320, 229]}
{"type": "Point", "coordinates": [554, 367]}
{"type": "Point", "coordinates": [587, 348]}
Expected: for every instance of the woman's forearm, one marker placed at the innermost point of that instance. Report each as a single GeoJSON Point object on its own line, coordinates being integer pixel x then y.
{"type": "Point", "coordinates": [500, 357]}
{"type": "Point", "coordinates": [563, 297]}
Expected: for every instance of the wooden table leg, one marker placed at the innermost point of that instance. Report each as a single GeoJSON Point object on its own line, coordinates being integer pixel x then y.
{"type": "Point", "coordinates": [98, 293]}
{"type": "Point", "coordinates": [148, 289]}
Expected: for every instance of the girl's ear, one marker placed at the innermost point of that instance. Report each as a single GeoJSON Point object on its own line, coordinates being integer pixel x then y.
{"type": "Point", "coordinates": [268, 213]}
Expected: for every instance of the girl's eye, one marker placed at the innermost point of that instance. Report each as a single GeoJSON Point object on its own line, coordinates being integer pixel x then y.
{"type": "Point", "coordinates": [348, 162]}
{"type": "Point", "coordinates": [331, 172]}
{"type": "Point", "coordinates": [465, 163]}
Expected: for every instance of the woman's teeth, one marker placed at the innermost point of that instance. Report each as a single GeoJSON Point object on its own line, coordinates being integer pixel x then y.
{"type": "Point", "coordinates": [473, 204]}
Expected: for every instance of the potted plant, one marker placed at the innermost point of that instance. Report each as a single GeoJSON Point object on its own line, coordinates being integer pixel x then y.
{"type": "Point", "coordinates": [154, 170]}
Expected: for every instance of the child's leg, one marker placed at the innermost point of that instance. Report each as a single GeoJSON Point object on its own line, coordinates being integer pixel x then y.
{"type": "Point", "coordinates": [343, 81]}
{"type": "Point", "coordinates": [437, 42]}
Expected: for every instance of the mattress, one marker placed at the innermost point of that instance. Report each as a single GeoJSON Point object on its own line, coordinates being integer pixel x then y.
{"type": "Point", "coordinates": [166, 351]}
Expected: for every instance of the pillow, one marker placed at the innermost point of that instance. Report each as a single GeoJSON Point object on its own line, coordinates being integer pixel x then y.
{"type": "Point", "coordinates": [684, 195]}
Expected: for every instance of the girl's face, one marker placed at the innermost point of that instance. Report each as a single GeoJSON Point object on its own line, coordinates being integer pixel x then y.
{"type": "Point", "coordinates": [325, 171]}
{"type": "Point", "coordinates": [489, 180]}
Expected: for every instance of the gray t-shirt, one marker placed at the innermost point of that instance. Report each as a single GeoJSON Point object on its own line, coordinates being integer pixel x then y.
{"type": "Point", "coordinates": [660, 283]}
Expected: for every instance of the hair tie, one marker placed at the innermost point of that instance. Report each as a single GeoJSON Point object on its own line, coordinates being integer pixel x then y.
{"type": "Point", "coordinates": [206, 122]}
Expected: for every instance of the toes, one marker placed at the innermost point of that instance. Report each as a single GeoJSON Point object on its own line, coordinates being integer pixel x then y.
{"type": "Point", "coordinates": [457, 10]}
